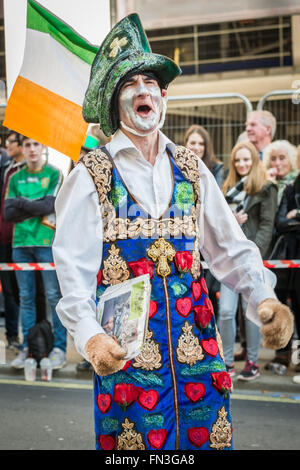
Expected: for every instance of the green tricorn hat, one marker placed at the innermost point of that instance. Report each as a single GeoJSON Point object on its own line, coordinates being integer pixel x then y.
{"type": "Point", "coordinates": [125, 50]}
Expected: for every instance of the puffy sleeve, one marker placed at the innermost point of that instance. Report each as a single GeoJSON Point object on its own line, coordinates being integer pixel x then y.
{"type": "Point", "coordinates": [77, 252]}
{"type": "Point", "coordinates": [231, 257]}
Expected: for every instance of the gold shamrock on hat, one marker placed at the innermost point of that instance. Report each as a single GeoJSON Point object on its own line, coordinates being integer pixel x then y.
{"type": "Point", "coordinates": [116, 46]}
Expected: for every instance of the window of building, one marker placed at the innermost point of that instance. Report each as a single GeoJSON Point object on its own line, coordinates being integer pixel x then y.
{"type": "Point", "coordinates": [235, 45]}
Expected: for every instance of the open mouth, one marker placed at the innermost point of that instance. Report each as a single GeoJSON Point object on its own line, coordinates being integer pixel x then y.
{"type": "Point", "coordinates": [144, 110]}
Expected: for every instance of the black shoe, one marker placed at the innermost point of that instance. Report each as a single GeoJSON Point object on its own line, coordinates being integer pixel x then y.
{"type": "Point", "coordinates": [84, 366]}
{"type": "Point", "coordinates": [250, 372]}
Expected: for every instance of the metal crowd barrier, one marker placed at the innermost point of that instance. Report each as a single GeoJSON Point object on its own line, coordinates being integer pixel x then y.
{"type": "Point", "coordinates": [276, 93]}
{"type": "Point", "coordinates": [213, 96]}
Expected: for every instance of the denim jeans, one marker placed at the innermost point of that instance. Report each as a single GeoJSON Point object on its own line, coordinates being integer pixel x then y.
{"type": "Point", "coordinates": [27, 288]}
{"type": "Point", "coordinates": [10, 294]}
{"type": "Point", "coordinates": [228, 303]}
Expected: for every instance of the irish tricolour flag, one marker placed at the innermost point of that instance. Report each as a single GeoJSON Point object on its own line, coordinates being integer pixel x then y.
{"type": "Point", "coordinates": [46, 100]}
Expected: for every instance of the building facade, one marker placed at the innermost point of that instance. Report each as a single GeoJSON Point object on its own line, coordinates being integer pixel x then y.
{"type": "Point", "coordinates": [245, 48]}
{"type": "Point", "coordinates": [242, 48]}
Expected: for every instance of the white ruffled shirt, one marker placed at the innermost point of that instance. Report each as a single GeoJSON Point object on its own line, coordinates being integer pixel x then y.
{"type": "Point", "coordinates": [77, 249]}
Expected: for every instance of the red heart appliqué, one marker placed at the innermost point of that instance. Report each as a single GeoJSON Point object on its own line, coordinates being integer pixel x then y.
{"type": "Point", "coordinates": [198, 436]}
{"type": "Point", "coordinates": [184, 306]}
{"type": "Point", "coordinates": [153, 307]}
{"type": "Point", "coordinates": [157, 438]}
{"type": "Point", "coordinates": [107, 442]}
{"type": "Point", "coordinates": [204, 286]}
{"type": "Point", "coordinates": [104, 401]}
{"type": "Point", "coordinates": [194, 391]}
{"type": "Point", "coordinates": [196, 290]}
{"type": "Point", "coordinates": [210, 346]}
{"type": "Point", "coordinates": [208, 304]}
{"type": "Point", "coordinates": [148, 399]}
{"type": "Point", "coordinates": [203, 316]}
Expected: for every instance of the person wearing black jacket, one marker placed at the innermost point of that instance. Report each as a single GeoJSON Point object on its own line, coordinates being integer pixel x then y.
{"type": "Point", "coordinates": [8, 279]}
{"type": "Point", "coordinates": [287, 247]}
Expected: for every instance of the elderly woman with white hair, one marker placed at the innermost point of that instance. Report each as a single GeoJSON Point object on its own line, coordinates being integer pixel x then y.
{"type": "Point", "coordinates": [280, 160]}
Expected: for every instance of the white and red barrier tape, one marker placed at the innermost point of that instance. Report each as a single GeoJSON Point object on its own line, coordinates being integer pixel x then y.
{"type": "Point", "coordinates": [27, 266]}
{"type": "Point", "coordinates": [274, 263]}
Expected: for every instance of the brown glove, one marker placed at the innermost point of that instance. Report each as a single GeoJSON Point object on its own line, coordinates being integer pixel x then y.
{"type": "Point", "coordinates": [105, 354]}
{"type": "Point", "coordinates": [278, 323]}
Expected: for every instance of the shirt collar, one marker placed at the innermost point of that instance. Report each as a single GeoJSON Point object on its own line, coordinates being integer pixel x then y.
{"type": "Point", "coordinates": [121, 142]}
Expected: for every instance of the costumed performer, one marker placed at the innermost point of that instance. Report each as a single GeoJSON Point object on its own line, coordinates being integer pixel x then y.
{"type": "Point", "coordinates": [141, 205]}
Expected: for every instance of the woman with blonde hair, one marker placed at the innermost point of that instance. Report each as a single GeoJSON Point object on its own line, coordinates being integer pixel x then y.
{"type": "Point", "coordinates": [253, 200]}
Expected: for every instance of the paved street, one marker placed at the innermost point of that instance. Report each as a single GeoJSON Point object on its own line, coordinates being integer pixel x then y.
{"type": "Point", "coordinates": [58, 416]}
{"type": "Point", "coordinates": [45, 418]}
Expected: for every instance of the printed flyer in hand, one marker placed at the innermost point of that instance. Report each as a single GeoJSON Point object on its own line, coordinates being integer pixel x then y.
{"type": "Point", "coordinates": [123, 312]}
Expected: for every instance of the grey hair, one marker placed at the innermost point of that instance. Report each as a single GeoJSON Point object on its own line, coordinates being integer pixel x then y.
{"type": "Point", "coordinates": [289, 148]}
{"type": "Point", "coordinates": [267, 119]}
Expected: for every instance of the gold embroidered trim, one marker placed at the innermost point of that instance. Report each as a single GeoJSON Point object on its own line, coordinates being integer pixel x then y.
{"type": "Point", "coordinates": [100, 167]}
{"type": "Point", "coordinates": [150, 356]}
{"type": "Point", "coordinates": [220, 344]}
{"type": "Point", "coordinates": [188, 163]}
{"type": "Point", "coordinates": [130, 439]}
{"type": "Point", "coordinates": [196, 266]}
{"type": "Point", "coordinates": [114, 267]}
{"type": "Point", "coordinates": [221, 434]}
{"type": "Point", "coordinates": [162, 252]}
{"type": "Point", "coordinates": [188, 350]}
{"type": "Point", "coordinates": [122, 229]}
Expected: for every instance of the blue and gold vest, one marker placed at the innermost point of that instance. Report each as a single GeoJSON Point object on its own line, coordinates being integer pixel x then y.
{"type": "Point", "coordinates": [175, 393]}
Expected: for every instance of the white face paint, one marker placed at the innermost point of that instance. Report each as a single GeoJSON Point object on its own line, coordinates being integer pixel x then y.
{"type": "Point", "coordinates": [142, 108]}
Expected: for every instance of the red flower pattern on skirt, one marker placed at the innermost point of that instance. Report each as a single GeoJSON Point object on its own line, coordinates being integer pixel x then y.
{"type": "Point", "coordinates": [125, 395]}
{"type": "Point", "coordinates": [183, 261]}
{"type": "Point", "coordinates": [142, 266]}
{"type": "Point", "coordinates": [203, 316]}
{"type": "Point", "coordinates": [221, 381]}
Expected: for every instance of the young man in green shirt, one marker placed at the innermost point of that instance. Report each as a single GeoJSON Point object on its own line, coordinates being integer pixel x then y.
{"type": "Point", "coordinates": [29, 203]}
{"type": "Point", "coordinates": [10, 289]}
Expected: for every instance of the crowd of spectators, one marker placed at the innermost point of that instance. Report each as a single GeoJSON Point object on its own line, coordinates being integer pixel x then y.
{"type": "Point", "coordinates": [261, 186]}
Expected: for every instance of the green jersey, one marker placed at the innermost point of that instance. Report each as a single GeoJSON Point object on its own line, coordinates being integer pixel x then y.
{"type": "Point", "coordinates": [34, 185]}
